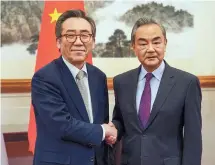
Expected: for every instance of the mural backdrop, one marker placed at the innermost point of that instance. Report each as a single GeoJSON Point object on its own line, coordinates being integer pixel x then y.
{"type": "Point", "coordinates": [20, 26]}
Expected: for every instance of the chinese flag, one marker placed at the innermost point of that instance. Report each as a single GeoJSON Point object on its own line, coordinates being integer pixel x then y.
{"type": "Point", "coordinates": [47, 48]}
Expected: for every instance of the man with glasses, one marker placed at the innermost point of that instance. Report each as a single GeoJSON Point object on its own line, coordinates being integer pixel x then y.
{"type": "Point", "coordinates": [70, 99]}
{"type": "Point", "coordinates": [158, 107]}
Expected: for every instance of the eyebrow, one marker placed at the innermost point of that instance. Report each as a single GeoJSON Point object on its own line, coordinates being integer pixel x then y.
{"type": "Point", "coordinates": [142, 39]}
{"type": "Point", "coordinates": [154, 39]}
{"type": "Point", "coordinates": [70, 30]}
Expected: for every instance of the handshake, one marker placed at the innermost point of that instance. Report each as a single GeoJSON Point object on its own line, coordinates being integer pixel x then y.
{"type": "Point", "coordinates": [110, 133]}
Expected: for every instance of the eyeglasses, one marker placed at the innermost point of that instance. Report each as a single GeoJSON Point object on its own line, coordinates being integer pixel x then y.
{"type": "Point", "coordinates": [71, 38]}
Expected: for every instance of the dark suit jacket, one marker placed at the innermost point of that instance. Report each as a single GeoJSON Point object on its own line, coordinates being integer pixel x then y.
{"type": "Point", "coordinates": [177, 106]}
{"type": "Point", "coordinates": [64, 134]}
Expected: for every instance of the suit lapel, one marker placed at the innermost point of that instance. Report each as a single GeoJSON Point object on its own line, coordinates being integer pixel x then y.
{"type": "Point", "coordinates": [72, 88]}
{"type": "Point", "coordinates": [93, 84]}
{"type": "Point", "coordinates": [132, 88]}
{"type": "Point", "coordinates": [166, 84]}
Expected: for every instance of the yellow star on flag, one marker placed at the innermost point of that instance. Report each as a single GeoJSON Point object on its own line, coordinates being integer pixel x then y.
{"type": "Point", "coordinates": [55, 15]}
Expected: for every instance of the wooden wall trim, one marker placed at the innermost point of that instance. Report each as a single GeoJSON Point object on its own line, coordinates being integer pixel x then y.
{"type": "Point", "coordinates": [110, 83]}
{"type": "Point", "coordinates": [15, 85]}
{"type": "Point", "coordinates": [15, 136]}
{"type": "Point", "coordinates": [207, 81]}
{"type": "Point", "coordinates": [24, 85]}
{"type": "Point", "coordinates": [16, 144]}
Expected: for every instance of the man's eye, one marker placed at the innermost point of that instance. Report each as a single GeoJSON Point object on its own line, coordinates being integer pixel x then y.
{"type": "Point", "coordinates": [85, 35]}
{"type": "Point", "coordinates": [143, 44]}
{"type": "Point", "coordinates": [71, 36]}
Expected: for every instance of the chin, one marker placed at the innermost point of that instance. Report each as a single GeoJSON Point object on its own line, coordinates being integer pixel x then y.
{"type": "Point", "coordinates": [79, 57]}
{"type": "Point", "coordinates": [152, 63]}
{"type": "Point", "coordinates": [79, 60]}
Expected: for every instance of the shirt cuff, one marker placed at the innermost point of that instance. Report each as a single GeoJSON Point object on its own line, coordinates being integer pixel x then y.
{"type": "Point", "coordinates": [103, 138]}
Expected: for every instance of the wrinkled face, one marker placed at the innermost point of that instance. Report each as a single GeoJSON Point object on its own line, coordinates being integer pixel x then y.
{"type": "Point", "coordinates": [149, 46]}
{"type": "Point", "coordinates": [76, 41]}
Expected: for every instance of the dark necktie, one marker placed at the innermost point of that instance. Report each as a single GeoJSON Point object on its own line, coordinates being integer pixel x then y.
{"type": "Point", "coordinates": [145, 102]}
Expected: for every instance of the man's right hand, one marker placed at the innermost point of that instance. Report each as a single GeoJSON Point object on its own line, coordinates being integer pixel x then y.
{"type": "Point", "coordinates": [110, 133]}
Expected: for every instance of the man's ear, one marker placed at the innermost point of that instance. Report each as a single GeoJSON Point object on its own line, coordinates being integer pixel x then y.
{"type": "Point", "coordinates": [58, 43]}
{"type": "Point", "coordinates": [132, 46]}
{"type": "Point", "coordinates": [93, 45]}
{"type": "Point", "coordinates": [165, 42]}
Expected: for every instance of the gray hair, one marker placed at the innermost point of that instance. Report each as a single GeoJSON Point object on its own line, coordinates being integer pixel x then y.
{"type": "Point", "coordinates": [145, 21]}
{"type": "Point", "coordinates": [73, 13]}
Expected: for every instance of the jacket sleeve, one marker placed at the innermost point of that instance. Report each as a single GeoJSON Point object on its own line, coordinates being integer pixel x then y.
{"type": "Point", "coordinates": [192, 148]}
{"type": "Point", "coordinates": [117, 116]}
{"type": "Point", "coordinates": [53, 112]}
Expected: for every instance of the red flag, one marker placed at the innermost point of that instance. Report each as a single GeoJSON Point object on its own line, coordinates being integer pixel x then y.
{"type": "Point", "coordinates": [47, 48]}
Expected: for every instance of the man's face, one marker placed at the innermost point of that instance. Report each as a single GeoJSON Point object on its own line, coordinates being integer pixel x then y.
{"type": "Point", "coordinates": [76, 41]}
{"type": "Point", "coordinates": [149, 46]}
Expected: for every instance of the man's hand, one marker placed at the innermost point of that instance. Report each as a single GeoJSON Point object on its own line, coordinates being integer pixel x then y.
{"type": "Point", "coordinates": [110, 133]}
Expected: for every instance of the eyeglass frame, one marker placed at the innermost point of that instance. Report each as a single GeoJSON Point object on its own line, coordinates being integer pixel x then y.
{"type": "Point", "coordinates": [76, 36]}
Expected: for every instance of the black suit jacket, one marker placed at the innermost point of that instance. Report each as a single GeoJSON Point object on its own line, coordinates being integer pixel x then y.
{"type": "Point", "coordinates": [177, 106]}
{"type": "Point", "coordinates": [64, 134]}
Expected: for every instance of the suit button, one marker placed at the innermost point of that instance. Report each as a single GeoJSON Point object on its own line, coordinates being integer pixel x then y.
{"type": "Point", "coordinates": [90, 145]}
{"type": "Point", "coordinates": [92, 159]}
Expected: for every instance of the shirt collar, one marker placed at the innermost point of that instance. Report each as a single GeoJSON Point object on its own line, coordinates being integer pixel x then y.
{"type": "Point", "coordinates": [74, 70]}
{"type": "Point", "coordinates": [157, 72]}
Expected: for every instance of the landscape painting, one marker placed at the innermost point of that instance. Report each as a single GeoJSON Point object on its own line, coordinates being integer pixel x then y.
{"type": "Point", "coordinates": [20, 26]}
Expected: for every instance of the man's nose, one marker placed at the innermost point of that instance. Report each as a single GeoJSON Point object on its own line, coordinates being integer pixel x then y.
{"type": "Point", "coordinates": [78, 41]}
{"type": "Point", "coordinates": [150, 48]}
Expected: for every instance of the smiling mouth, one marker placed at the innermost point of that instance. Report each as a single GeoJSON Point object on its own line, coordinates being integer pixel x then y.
{"type": "Point", "coordinates": [78, 50]}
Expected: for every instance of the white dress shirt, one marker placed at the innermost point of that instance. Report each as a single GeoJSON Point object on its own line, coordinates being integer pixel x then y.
{"type": "Point", "coordinates": [154, 84]}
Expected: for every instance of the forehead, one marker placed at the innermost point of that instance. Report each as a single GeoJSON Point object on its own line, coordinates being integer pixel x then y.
{"type": "Point", "coordinates": [149, 31]}
{"type": "Point", "coordinates": [76, 24]}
